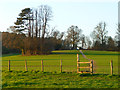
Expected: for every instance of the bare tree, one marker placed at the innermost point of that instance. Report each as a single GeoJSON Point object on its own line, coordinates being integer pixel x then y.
{"type": "Point", "coordinates": [32, 24]}
{"type": "Point", "coordinates": [73, 36]}
{"type": "Point", "coordinates": [45, 15]}
{"type": "Point", "coordinates": [100, 33]}
{"type": "Point", "coordinates": [39, 23]}
{"type": "Point", "coordinates": [36, 27]}
{"type": "Point", "coordinates": [55, 34]}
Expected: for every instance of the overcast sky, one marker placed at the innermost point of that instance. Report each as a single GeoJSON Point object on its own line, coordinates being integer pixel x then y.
{"type": "Point", "coordinates": [85, 14]}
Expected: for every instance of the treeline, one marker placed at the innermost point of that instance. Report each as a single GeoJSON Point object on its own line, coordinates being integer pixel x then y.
{"type": "Point", "coordinates": [32, 35]}
{"type": "Point", "coordinates": [101, 41]}
{"type": "Point", "coordinates": [20, 43]}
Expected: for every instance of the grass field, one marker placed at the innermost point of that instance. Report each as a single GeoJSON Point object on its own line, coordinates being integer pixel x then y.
{"type": "Point", "coordinates": [52, 78]}
{"type": "Point", "coordinates": [36, 79]}
{"type": "Point", "coordinates": [69, 61]}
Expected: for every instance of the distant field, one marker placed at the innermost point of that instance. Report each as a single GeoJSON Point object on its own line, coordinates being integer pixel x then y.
{"type": "Point", "coordinates": [86, 52]}
{"type": "Point", "coordinates": [52, 78]}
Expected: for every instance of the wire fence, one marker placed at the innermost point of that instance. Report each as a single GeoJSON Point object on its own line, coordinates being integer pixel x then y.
{"type": "Point", "coordinates": [48, 65]}
{"type": "Point", "coordinates": [55, 66]}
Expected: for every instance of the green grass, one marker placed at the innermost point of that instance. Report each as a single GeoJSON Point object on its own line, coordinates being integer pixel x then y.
{"type": "Point", "coordinates": [11, 54]}
{"type": "Point", "coordinates": [86, 52]}
{"type": "Point", "coordinates": [52, 78]}
{"type": "Point", "coordinates": [37, 79]}
{"type": "Point", "coordinates": [69, 61]}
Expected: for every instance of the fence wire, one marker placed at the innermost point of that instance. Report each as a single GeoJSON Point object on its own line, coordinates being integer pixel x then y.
{"type": "Point", "coordinates": [54, 66]}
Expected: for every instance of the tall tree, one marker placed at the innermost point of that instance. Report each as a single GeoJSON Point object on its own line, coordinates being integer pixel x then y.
{"type": "Point", "coordinates": [73, 36]}
{"type": "Point", "coordinates": [36, 27]}
{"type": "Point", "coordinates": [32, 24]}
{"type": "Point", "coordinates": [100, 33]}
{"type": "Point", "coordinates": [45, 15]}
{"type": "Point", "coordinates": [23, 22]}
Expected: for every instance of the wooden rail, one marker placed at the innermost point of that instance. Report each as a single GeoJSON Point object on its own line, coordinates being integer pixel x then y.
{"type": "Point", "coordinates": [83, 62]}
{"type": "Point", "coordinates": [83, 72]}
{"type": "Point", "coordinates": [83, 67]}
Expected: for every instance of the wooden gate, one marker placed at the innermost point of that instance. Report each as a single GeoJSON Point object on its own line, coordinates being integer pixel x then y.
{"type": "Point", "coordinates": [90, 66]}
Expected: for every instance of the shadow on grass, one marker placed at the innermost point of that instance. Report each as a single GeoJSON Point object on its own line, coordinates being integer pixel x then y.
{"type": "Point", "coordinates": [20, 88]}
{"type": "Point", "coordinates": [58, 73]}
{"type": "Point", "coordinates": [12, 54]}
{"type": "Point", "coordinates": [98, 75]}
{"type": "Point", "coordinates": [85, 53]}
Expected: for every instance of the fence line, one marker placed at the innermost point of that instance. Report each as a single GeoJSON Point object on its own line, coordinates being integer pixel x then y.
{"type": "Point", "coordinates": [40, 66]}
{"type": "Point", "coordinates": [61, 66]}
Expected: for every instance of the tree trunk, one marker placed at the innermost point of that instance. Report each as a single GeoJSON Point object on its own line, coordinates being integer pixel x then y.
{"type": "Point", "coordinates": [32, 24]}
{"type": "Point", "coordinates": [36, 25]}
{"type": "Point", "coordinates": [39, 30]}
{"type": "Point", "coordinates": [29, 31]}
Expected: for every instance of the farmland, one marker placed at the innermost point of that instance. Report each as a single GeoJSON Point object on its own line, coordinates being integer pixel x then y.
{"type": "Point", "coordinates": [52, 78]}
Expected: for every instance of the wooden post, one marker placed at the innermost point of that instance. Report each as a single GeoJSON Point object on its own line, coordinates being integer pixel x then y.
{"type": "Point", "coordinates": [42, 69]}
{"type": "Point", "coordinates": [111, 66]}
{"type": "Point", "coordinates": [26, 65]}
{"type": "Point", "coordinates": [91, 66]}
{"type": "Point", "coordinates": [61, 66]}
{"type": "Point", "coordinates": [78, 65]}
{"type": "Point", "coordinates": [8, 65]}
